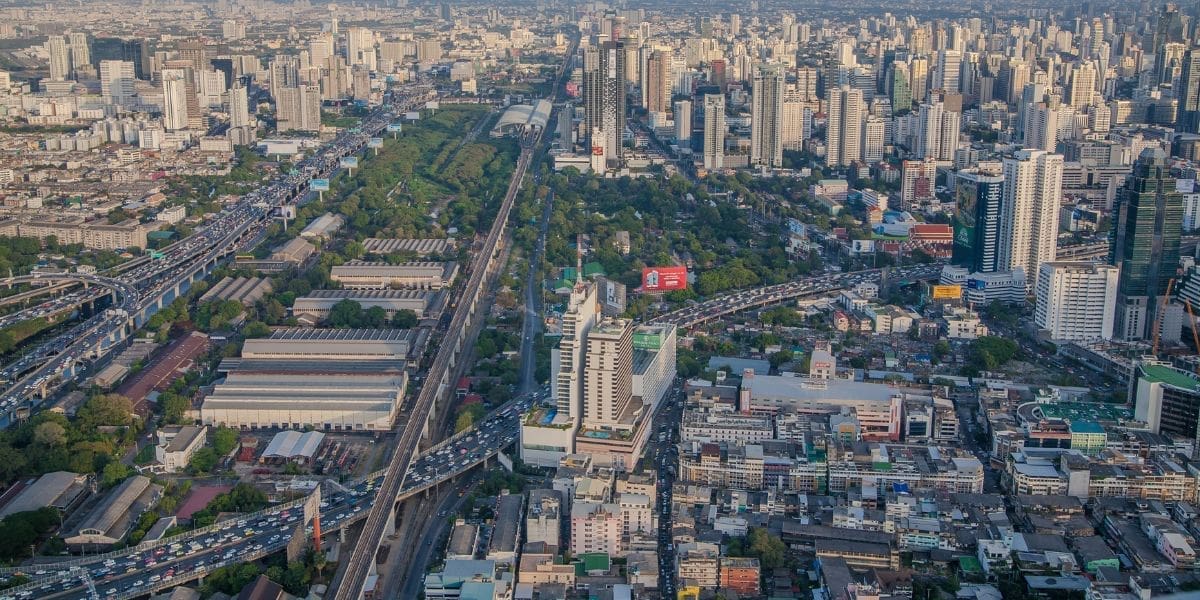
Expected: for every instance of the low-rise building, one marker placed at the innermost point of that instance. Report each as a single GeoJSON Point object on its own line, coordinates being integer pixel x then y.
{"type": "Point", "coordinates": [358, 274]}
{"type": "Point", "coordinates": [177, 446]}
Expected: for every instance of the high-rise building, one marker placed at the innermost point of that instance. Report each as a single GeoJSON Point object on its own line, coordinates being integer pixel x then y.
{"type": "Point", "coordinates": [918, 180]}
{"type": "Point", "coordinates": [175, 99]}
{"type": "Point", "coordinates": [239, 107]}
{"type": "Point", "coordinates": [949, 68]}
{"type": "Point", "coordinates": [608, 374]}
{"type": "Point", "coordinates": [1170, 28]}
{"type": "Point", "coordinates": [658, 82]}
{"type": "Point", "coordinates": [1032, 194]}
{"type": "Point", "coordinates": [1076, 301]}
{"type": "Point", "coordinates": [1189, 93]}
{"type": "Point", "coordinates": [116, 82]}
{"type": "Point", "coordinates": [806, 84]}
{"type": "Point", "coordinates": [977, 221]}
{"type": "Point", "coordinates": [714, 131]}
{"type": "Point", "coordinates": [1147, 223]}
{"type": "Point", "coordinates": [567, 360]}
{"type": "Point", "coordinates": [233, 29]}
{"type": "Point", "coordinates": [843, 143]}
{"type": "Point", "coordinates": [604, 97]}
{"type": "Point", "coordinates": [766, 118]}
{"type": "Point", "coordinates": [298, 108]}
{"type": "Point", "coordinates": [1041, 126]}
{"type": "Point", "coordinates": [797, 117]}
{"type": "Point", "coordinates": [683, 121]}
{"type": "Point", "coordinates": [937, 132]}
{"type": "Point", "coordinates": [360, 47]}
{"type": "Point", "coordinates": [1083, 86]}
{"type": "Point", "coordinates": [285, 73]}
{"type": "Point", "coordinates": [874, 136]}
{"type": "Point", "coordinates": [81, 51]}
{"type": "Point", "coordinates": [899, 87]}
{"type": "Point", "coordinates": [60, 58]}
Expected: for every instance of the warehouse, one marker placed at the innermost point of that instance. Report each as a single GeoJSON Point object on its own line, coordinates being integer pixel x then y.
{"type": "Point", "coordinates": [111, 519]}
{"type": "Point", "coordinates": [331, 380]}
{"type": "Point", "coordinates": [318, 303]}
{"type": "Point", "coordinates": [420, 247]}
{"type": "Point", "coordinates": [61, 490]}
{"type": "Point", "coordinates": [358, 274]}
{"type": "Point", "coordinates": [246, 290]}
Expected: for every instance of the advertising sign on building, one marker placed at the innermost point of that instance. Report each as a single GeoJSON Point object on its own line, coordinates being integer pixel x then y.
{"type": "Point", "coordinates": [664, 279]}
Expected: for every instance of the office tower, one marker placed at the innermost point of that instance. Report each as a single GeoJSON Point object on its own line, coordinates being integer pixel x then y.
{"type": "Point", "coordinates": [604, 97]}
{"type": "Point", "coordinates": [116, 82]}
{"type": "Point", "coordinates": [360, 47]}
{"type": "Point", "coordinates": [718, 76]}
{"type": "Point", "coordinates": [874, 133]}
{"type": "Point", "coordinates": [766, 118]}
{"type": "Point", "coordinates": [683, 122]}
{"type": "Point", "coordinates": [1031, 94]}
{"type": "Point", "coordinates": [608, 374]}
{"type": "Point", "coordinates": [567, 360]}
{"type": "Point", "coordinates": [977, 221]}
{"type": "Point", "coordinates": [937, 132]}
{"type": "Point", "coordinates": [1189, 93]}
{"type": "Point", "coordinates": [239, 107]}
{"type": "Point", "coordinates": [1169, 29]}
{"type": "Point", "coordinates": [1032, 195]}
{"type": "Point", "coordinates": [1147, 222]}
{"type": "Point", "coordinates": [918, 78]}
{"type": "Point", "coordinates": [81, 53]}
{"type": "Point", "coordinates": [298, 108]}
{"type": "Point", "coordinates": [195, 54]}
{"type": "Point", "coordinates": [1041, 126]}
{"type": "Point", "coordinates": [949, 70]}
{"type": "Point", "coordinates": [658, 82]}
{"type": "Point", "coordinates": [1083, 86]}
{"type": "Point", "coordinates": [60, 58]}
{"type": "Point", "coordinates": [212, 88]}
{"type": "Point", "coordinates": [175, 99]}
{"type": "Point", "coordinates": [285, 73]}
{"type": "Point", "coordinates": [1076, 301]}
{"type": "Point", "coordinates": [233, 29]}
{"type": "Point", "coordinates": [918, 180]}
{"type": "Point", "coordinates": [714, 131]}
{"type": "Point", "coordinates": [843, 144]}
{"type": "Point", "coordinates": [899, 87]}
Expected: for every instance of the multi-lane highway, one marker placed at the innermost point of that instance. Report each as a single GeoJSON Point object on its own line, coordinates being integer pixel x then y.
{"type": "Point", "coordinates": [701, 312]}
{"type": "Point", "coordinates": [158, 280]}
{"type": "Point", "coordinates": [184, 558]}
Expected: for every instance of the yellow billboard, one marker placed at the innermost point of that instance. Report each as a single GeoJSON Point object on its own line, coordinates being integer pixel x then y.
{"type": "Point", "coordinates": [945, 292]}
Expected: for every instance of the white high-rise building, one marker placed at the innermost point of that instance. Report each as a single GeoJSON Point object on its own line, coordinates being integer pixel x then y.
{"type": "Point", "coordinates": [714, 131]}
{"type": "Point", "coordinates": [320, 49]}
{"type": "Point", "coordinates": [233, 29]}
{"type": "Point", "coordinates": [567, 360]}
{"type": "Point", "coordinates": [766, 131]}
{"type": "Point", "coordinates": [797, 118]}
{"type": "Point", "coordinates": [1076, 301]}
{"type": "Point", "coordinates": [608, 374]}
{"type": "Point", "coordinates": [116, 82]}
{"type": "Point", "coordinates": [299, 108]}
{"type": "Point", "coordinates": [360, 47]}
{"type": "Point", "coordinates": [60, 58]}
{"type": "Point", "coordinates": [239, 107]}
{"type": "Point", "coordinates": [212, 88]}
{"type": "Point", "coordinates": [937, 132]}
{"type": "Point", "coordinates": [1041, 126]}
{"type": "Point", "coordinates": [81, 52]}
{"type": "Point", "coordinates": [948, 72]}
{"type": "Point", "coordinates": [874, 135]}
{"type": "Point", "coordinates": [1029, 226]}
{"type": "Point", "coordinates": [843, 144]}
{"type": "Point", "coordinates": [175, 99]}
{"type": "Point", "coordinates": [1083, 86]}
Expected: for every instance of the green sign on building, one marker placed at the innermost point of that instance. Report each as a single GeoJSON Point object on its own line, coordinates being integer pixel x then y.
{"type": "Point", "coordinates": [647, 341]}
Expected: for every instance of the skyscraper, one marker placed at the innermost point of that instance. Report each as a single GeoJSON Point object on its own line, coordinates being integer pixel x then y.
{"type": "Point", "coordinates": [604, 97]}
{"type": "Point", "coordinates": [899, 87]}
{"type": "Point", "coordinates": [567, 360]}
{"type": "Point", "coordinates": [714, 131]}
{"type": "Point", "coordinates": [843, 143]}
{"type": "Point", "coordinates": [1041, 126]}
{"type": "Point", "coordinates": [949, 70]}
{"type": "Point", "coordinates": [1032, 194]}
{"type": "Point", "coordinates": [977, 218]}
{"type": "Point", "coordinates": [874, 134]}
{"type": "Point", "coordinates": [1076, 301]}
{"type": "Point", "coordinates": [175, 99]}
{"type": "Point", "coordinates": [299, 108]}
{"type": "Point", "coordinates": [683, 121]}
{"type": "Point", "coordinates": [766, 118]}
{"type": "Point", "coordinates": [239, 107]}
{"type": "Point", "coordinates": [608, 374]}
{"type": "Point", "coordinates": [1083, 86]}
{"type": "Point", "coordinates": [81, 53]}
{"type": "Point", "coordinates": [60, 58]}
{"type": "Point", "coordinates": [658, 82]}
{"type": "Point", "coordinates": [1147, 222]}
{"type": "Point", "coordinates": [116, 81]}
{"type": "Point", "coordinates": [937, 132]}
{"type": "Point", "coordinates": [1189, 93]}
{"type": "Point", "coordinates": [360, 47]}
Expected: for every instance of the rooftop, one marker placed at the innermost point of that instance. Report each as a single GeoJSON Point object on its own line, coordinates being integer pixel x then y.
{"type": "Point", "coordinates": [1170, 376]}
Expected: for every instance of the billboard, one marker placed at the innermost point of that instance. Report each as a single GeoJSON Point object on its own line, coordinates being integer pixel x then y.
{"type": "Point", "coordinates": [375, 143]}
{"type": "Point", "coordinates": [647, 341]}
{"type": "Point", "coordinates": [945, 292]}
{"type": "Point", "coordinates": [349, 162]}
{"type": "Point", "coordinates": [664, 279]}
{"type": "Point", "coordinates": [412, 115]}
{"type": "Point", "coordinates": [432, 105]}
{"type": "Point", "coordinates": [394, 128]}
{"type": "Point", "coordinates": [612, 296]}
{"type": "Point", "coordinates": [319, 185]}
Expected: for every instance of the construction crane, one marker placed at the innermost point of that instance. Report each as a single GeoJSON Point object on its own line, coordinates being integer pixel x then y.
{"type": "Point", "coordinates": [1195, 334]}
{"type": "Point", "coordinates": [1158, 318]}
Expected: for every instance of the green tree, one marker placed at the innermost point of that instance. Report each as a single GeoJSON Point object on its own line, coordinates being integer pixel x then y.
{"type": "Point", "coordinates": [50, 434]}
{"type": "Point", "coordinates": [114, 472]}
{"type": "Point", "coordinates": [173, 406]}
{"type": "Point", "coordinates": [404, 319]}
{"type": "Point", "coordinates": [256, 329]}
{"type": "Point", "coordinates": [224, 440]}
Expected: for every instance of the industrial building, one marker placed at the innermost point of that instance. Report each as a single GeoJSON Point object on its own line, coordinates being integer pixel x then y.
{"type": "Point", "coordinates": [359, 274]}
{"type": "Point", "coordinates": [318, 303]}
{"type": "Point", "coordinates": [420, 247]}
{"type": "Point", "coordinates": [323, 226]}
{"type": "Point", "coordinates": [62, 490]}
{"type": "Point", "coordinates": [246, 290]}
{"type": "Point", "coordinates": [112, 518]}
{"type": "Point", "coordinates": [331, 380]}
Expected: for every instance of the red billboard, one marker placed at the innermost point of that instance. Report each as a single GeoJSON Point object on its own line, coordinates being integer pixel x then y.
{"type": "Point", "coordinates": [664, 279]}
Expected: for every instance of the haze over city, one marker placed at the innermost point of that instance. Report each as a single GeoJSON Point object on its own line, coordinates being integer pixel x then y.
{"type": "Point", "coordinates": [599, 300]}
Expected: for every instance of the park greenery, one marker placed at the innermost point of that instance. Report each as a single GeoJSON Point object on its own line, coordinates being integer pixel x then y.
{"type": "Point", "coordinates": [242, 498]}
{"type": "Point", "coordinates": [21, 531]}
